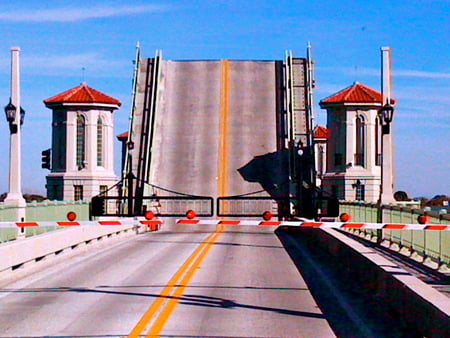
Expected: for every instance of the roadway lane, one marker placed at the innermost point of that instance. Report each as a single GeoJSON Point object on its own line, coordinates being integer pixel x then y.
{"type": "Point", "coordinates": [213, 118]}
{"type": "Point", "coordinates": [252, 119]}
{"type": "Point", "coordinates": [247, 287]}
{"type": "Point", "coordinates": [187, 128]}
{"type": "Point", "coordinates": [95, 294]}
{"type": "Point", "coordinates": [240, 282]}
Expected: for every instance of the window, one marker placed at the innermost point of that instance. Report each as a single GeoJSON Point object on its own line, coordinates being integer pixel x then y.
{"type": "Point", "coordinates": [100, 142]}
{"type": "Point", "coordinates": [320, 161]}
{"type": "Point", "coordinates": [81, 142]}
{"type": "Point", "coordinates": [360, 154]}
{"type": "Point", "coordinates": [360, 192]}
{"type": "Point", "coordinates": [78, 192]}
{"type": "Point", "coordinates": [103, 190]}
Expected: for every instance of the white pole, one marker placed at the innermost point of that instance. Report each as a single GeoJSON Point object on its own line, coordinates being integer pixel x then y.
{"type": "Point", "coordinates": [387, 174]}
{"type": "Point", "coordinates": [14, 197]}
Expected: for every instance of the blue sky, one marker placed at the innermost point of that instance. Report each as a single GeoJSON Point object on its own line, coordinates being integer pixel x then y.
{"type": "Point", "coordinates": [60, 38]}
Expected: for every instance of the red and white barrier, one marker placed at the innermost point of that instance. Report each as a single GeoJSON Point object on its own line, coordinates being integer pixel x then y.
{"type": "Point", "coordinates": [80, 223]}
{"type": "Point", "coordinates": [311, 224]}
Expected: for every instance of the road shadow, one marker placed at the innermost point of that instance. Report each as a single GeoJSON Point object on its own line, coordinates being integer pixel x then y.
{"type": "Point", "coordinates": [271, 171]}
{"type": "Point", "coordinates": [187, 299]}
{"type": "Point", "coordinates": [350, 309]}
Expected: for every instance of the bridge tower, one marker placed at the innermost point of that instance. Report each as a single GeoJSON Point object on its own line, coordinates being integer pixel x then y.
{"type": "Point", "coordinates": [82, 161]}
{"type": "Point", "coordinates": [354, 147]}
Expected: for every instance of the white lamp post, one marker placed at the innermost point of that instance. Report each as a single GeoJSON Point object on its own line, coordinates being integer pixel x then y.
{"type": "Point", "coordinates": [15, 115]}
{"type": "Point", "coordinates": [385, 117]}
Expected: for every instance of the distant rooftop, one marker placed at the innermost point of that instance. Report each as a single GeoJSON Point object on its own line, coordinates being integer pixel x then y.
{"type": "Point", "coordinates": [123, 136]}
{"type": "Point", "coordinates": [356, 93]}
{"type": "Point", "coordinates": [321, 132]}
{"type": "Point", "coordinates": [82, 94]}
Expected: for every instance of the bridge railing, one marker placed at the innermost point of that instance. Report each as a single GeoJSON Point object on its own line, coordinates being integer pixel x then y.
{"type": "Point", "coordinates": [426, 245]}
{"type": "Point", "coordinates": [41, 211]}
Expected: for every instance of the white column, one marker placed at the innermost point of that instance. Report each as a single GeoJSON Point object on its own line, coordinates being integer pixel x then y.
{"type": "Point", "coordinates": [387, 177]}
{"type": "Point", "coordinates": [14, 197]}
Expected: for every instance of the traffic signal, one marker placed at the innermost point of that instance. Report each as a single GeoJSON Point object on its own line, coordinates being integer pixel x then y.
{"type": "Point", "coordinates": [46, 154]}
{"type": "Point", "coordinates": [98, 206]}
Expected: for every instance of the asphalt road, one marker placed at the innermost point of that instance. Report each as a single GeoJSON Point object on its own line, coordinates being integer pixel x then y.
{"type": "Point", "coordinates": [181, 281]}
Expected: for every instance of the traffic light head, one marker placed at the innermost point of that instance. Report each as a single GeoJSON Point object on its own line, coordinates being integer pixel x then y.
{"type": "Point", "coordinates": [46, 158]}
{"type": "Point", "coordinates": [98, 206]}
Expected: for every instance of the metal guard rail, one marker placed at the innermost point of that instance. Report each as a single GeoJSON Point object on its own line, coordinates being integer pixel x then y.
{"type": "Point", "coordinates": [163, 206]}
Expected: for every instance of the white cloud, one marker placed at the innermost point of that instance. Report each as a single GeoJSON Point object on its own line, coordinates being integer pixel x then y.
{"type": "Point", "coordinates": [70, 61]}
{"type": "Point", "coordinates": [431, 94]}
{"type": "Point", "coordinates": [421, 74]}
{"type": "Point", "coordinates": [72, 14]}
{"type": "Point", "coordinates": [409, 73]}
{"type": "Point", "coordinates": [93, 63]}
{"type": "Point", "coordinates": [66, 64]}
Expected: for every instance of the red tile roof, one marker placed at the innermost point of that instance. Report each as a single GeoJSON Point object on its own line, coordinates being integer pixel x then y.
{"type": "Point", "coordinates": [82, 94]}
{"type": "Point", "coordinates": [123, 136]}
{"type": "Point", "coordinates": [356, 93]}
{"type": "Point", "coordinates": [321, 132]}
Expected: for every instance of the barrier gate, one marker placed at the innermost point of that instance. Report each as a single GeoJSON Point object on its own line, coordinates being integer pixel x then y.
{"type": "Point", "coordinates": [229, 206]}
{"type": "Point", "coordinates": [256, 206]}
{"type": "Point", "coordinates": [167, 206]}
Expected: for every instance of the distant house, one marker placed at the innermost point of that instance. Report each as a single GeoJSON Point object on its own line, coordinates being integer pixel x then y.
{"type": "Point", "coordinates": [354, 143]}
{"type": "Point", "coordinates": [321, 137]}
{"type": "Point", "coordinates": [82, 160]}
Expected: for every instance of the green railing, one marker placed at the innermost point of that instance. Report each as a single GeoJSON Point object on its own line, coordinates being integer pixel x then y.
{"type": "Point", "coordinates": [38, 212]}
{"type": "Point", "coordinates": [427, 245]}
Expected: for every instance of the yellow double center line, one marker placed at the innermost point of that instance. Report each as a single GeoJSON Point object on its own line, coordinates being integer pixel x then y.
{"type": "Point", "coordinates": [160, 311]}
{"type": "Point", "coordinates": [224, 131]}
{"type": "Point", "coordinates": [156, 317]}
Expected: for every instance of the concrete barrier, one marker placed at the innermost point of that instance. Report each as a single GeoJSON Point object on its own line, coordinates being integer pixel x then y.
{"type": "Point", "coordinates": [416, 303]}
{"type": "Point", "coordinates": [19, 252]}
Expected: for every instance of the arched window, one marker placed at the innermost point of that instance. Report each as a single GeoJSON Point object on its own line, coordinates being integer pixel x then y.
{"type": "Point", "coordinates": [81, 141]}
{"type": "Point", "coordinates": [320, 160]}
{"type": "Point", "coordinates": [100, 142]}
{"type": "Point", "coordinates": [360, 155]}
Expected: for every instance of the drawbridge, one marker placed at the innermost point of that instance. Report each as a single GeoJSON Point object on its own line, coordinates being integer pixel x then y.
{"type": "Point", "coordinates": [238, 132]}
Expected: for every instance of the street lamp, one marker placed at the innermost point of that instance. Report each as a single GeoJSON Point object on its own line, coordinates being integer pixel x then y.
{"type": "Point", "coordinates": [385, 117]}
{"type": "Point", "coordinates": [14, 116]}
{"type": "Point", "coordinates": [130, 177]}
{"type": "Point", "coordinates": [22, 115]}
{"type": "Point", "coordinates": [10, 112]}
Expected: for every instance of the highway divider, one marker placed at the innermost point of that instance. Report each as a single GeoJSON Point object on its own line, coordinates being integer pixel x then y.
{"type": "Point", "coordinates": [421, 307]}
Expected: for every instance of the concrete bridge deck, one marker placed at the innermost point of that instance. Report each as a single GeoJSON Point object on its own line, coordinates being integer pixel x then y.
{"type": "Point", "coordinates": [237, 281]}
